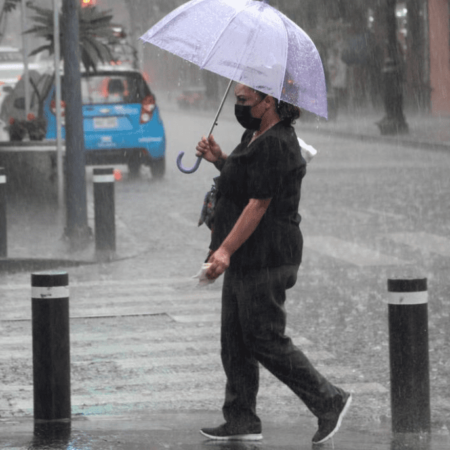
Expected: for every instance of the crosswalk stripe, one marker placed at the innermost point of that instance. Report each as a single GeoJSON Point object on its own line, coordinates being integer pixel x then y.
{"type": "Point", "coordinates": [86, 298]}
{"type": "Point", "coordinates": [197, 360]}
{"type": "Point", "coordinates": [119, 312]}
{"type": "Point", "coordinates": [147, 350]}
{"type": "Point", "coordinates": [109, 306]}
{"type": "Point", "coordinates": [350, 252]}
{"type": "Point", "coordinates": [278, 393]}
{"type": "Point", "coordinates": [198, 318]}
{"type": "Point", "coordinates": [364, 388]}
{"type": "Point", "coordinates": [116, 283]}
{"type": "Point", "coordinates": [182, 380]}
{"type": "Point", "coordinates": [423, 241]}
{"type": "Point", "coordinates": [156, 336]}
{"type": "Point", "coordinates": [204, 332]}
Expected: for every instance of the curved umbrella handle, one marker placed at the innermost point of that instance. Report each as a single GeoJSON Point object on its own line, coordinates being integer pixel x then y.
{"type": "Point", "coordinates": [199, 159]}
{"type": "Point", "coordinates": [184, 169]}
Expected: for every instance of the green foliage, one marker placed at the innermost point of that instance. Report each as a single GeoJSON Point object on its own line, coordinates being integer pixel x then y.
{"type": "Point", "coordinates": [96, 34]}
{"type": "Point", "coordinates": [10, 5]}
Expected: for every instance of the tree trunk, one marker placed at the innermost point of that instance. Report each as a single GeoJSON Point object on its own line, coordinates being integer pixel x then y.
{"type": "Point", "coordinates": [394, 121]}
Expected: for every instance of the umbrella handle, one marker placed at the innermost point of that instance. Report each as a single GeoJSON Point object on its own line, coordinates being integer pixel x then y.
{"type": "Point", "coordinates": [184, 169]}
{"type": "Point", "coordinates": [199, 159]}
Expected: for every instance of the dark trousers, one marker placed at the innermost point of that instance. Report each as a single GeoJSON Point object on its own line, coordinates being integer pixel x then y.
{"type": "Point", "coordinates": [253, 327]}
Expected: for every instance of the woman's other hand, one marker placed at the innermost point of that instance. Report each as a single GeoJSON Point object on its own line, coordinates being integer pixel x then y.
{"type": "Point", "coordinates": [209, 149]}
{"type": "Point", "coordinates": [220, 261]}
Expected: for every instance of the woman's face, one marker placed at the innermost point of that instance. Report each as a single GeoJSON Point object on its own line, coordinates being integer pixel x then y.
{"type": "Point", "coordinates": [246, 96]}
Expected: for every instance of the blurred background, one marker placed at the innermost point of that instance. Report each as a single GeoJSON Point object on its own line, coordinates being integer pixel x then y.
{"type": "Point", "coordinates": [351, 36]}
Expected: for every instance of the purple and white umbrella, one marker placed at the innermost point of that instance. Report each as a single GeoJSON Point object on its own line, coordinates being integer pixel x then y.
{"type": "Point", "coordinates": [249, 42]}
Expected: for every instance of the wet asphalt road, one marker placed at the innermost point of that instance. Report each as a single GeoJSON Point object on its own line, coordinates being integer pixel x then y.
{"type": "Point", "coordinates": [370, 212]}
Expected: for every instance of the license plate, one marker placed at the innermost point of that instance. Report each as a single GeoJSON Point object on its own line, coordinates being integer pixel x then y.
{"type": "Point", "coordinates": [105, 122]}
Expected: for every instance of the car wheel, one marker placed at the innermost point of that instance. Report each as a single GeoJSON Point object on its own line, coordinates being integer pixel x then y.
{"type": "Point", "coordinates": [158, 168]}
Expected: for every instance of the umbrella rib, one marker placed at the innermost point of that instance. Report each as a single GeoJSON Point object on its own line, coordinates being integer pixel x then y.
{"type": "Point", "coordinates": [287, 51]}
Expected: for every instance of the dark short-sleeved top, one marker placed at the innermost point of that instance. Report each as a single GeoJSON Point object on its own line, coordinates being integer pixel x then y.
{"type": "Point", "coordinates": [270, 167]}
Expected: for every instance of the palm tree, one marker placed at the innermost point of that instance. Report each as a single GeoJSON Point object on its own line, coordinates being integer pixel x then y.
{"type": "Point", "coordinates": [96, 34]}
{"type": "Point", "coordinates": [8, 6]}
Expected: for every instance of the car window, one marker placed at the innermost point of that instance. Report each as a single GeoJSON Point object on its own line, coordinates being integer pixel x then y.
{"type": "Point", "coordinates": [113, 88]}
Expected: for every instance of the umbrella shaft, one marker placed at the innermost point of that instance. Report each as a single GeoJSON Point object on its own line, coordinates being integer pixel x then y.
{"type": "Point", "coordinates": [220, 107]}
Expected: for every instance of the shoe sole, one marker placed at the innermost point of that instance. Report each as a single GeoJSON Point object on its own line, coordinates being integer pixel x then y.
{"type": "Point", "coordinates": [234, 437]}
{"type": "Point", "coordinates": [339, 422]}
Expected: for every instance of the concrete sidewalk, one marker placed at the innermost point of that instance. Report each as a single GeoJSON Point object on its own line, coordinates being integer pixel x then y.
{"type": "Point", "coordinates": [36, 239]}
{"type": "Point", "coordinates": [425, 131]}
{"type": "Point", "coordinates": [180, 431]}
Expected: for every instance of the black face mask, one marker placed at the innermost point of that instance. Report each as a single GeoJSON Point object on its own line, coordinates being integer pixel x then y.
{"type": "Point", "coordinates": [244, 116]}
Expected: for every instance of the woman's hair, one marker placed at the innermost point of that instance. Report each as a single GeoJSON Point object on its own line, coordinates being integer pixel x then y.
{"type": "Point", "coordinates": [288, 113]}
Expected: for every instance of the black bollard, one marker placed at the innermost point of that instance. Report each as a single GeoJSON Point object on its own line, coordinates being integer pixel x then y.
{"type": "Point", "coordinates": [49, 435]}
{"type": "Point", "coordinates": [3, 224]}
{"type": "Point", "coordinates": [408, 351]}
{"type": "Point", "coordinates": [104, 210]}
{"type": "Point", "coordinates": [51, 346]}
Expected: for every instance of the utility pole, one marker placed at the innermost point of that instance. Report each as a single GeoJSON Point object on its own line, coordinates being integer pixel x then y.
{"type": "Point", "coordinates": [77, 229]}
{"type": "Point", "coordinates": [25, 58]}
{"type": "Point", "coordinates": [394, 121]}
{"type": "Point", "coordinates": [59, 144]}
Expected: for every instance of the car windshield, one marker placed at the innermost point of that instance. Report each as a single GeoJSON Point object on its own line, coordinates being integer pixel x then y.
{"type": "Point", "coordinates": [113, 88]}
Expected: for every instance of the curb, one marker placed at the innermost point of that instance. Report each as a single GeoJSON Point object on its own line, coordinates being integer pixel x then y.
{"type": "Point", "coordinates": [14, 265]}
{"type": "Point", "coordinates": [437, 146]}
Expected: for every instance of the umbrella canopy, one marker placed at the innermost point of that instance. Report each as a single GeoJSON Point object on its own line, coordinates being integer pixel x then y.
{"type": "Point", "coordinates": [249, 42]}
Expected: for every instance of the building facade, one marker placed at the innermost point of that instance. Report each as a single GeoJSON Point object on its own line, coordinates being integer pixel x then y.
{"type": "Point", "coordinates": [439, 56]}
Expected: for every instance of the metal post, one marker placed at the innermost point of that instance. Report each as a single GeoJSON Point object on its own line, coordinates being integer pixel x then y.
{"type": "Point", "coordinates": [3, 222]}
{"type": "Point", "coordinates": [57, 58]}
{"type": "Point", "coordinates": [51, 346]}
{"type": "Point", "coordinates": [104, 210]}
{"type": "Point", "coordinates": [408, 351]}
{"type": "Point", "coordinates": [26, 74]}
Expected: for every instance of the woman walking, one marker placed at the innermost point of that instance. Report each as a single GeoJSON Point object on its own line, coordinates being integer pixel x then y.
{"type": "Point", "coordinates": [256, 241]}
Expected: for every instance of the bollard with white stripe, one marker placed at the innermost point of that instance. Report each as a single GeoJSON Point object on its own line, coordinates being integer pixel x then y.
{"type": "Point", "coordinates": [104, 209]}
{"type": "Point", "coordinates": [51, 346]}
{"type": "Point", "coordinates": [408, 352]}
{"type": "Point", "coordinates": [3, 223]}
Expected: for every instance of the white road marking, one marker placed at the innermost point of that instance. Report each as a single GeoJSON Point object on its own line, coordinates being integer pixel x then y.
{"type": "Point", "coordinates": [197, 318]}
{"type": "Point", "coordinates": [391, 215]}
{"type": "Point", "coordinates": [150, 350]}
{"type": "Point", "coordinates": [157, 336]}
{"type": "Point", "coordinates": [197, 360]}
{"type": "Point", "coordinates": [350, 252]}
{"type": "Point", "coordinates": [125, 303]}
{"type": "Point", "coordinates": [112, 283]}
{"type": "Point", "coordinates": [425, 242]}
{"type": "Point", "coordinates": [188, 380]}
{"type": "Point", "coordinates": [278, 393]}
